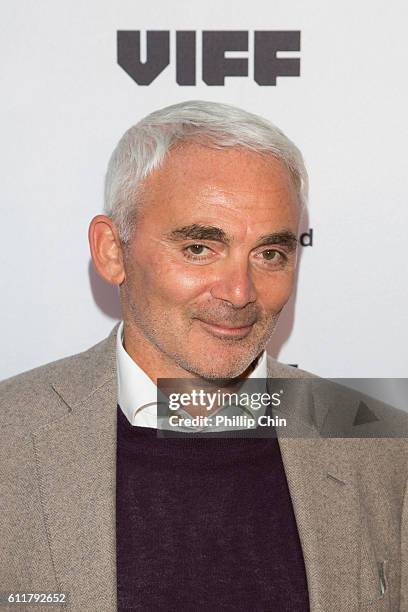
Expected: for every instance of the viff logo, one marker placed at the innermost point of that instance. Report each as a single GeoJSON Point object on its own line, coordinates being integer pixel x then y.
{"type": "Point", "coordinates": [215, 45]}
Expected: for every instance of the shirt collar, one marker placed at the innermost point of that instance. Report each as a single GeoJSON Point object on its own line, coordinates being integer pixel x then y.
{"type": "Point", "coordinates": [137, 390]}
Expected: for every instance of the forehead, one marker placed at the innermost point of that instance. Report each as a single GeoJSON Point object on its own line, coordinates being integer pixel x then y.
{"type": "Point", "coordinates": [220, 183]}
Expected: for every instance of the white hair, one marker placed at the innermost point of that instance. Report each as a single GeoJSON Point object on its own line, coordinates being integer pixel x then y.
{"type": "Point", "coordinates": [144, 146]}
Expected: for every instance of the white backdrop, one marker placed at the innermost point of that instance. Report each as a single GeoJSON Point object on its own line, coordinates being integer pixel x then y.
{"type": "Point", "coordinates": [66, 102]}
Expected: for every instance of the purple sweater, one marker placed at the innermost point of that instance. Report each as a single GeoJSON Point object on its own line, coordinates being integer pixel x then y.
{"type": "Point", "coordinates": [205, 524]}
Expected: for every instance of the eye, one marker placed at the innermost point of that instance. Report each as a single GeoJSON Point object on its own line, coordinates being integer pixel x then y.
{"type": "Point", "coordinates": [197, 252]}
{"type": "Point", "coordinates": [272, 256]}
{"type": "Point", "coordinates": [196, 249]}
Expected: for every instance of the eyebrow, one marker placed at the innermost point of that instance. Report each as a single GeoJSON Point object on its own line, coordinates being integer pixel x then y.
{"type": "Point", "coordinates": [284, 238]}
{"type": "Point", "coordinates": [196, 231]}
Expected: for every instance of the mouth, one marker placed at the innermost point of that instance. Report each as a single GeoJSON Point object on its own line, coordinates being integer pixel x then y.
{"type": "Point", "coordinates": [223, 331]}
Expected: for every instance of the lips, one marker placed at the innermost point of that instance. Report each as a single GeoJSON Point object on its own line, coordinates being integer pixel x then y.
{"type": "Point", "coordinates": [225, 330]}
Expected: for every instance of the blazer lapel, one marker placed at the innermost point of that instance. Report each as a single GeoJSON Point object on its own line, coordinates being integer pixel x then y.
{"type": "Point", "coordinates": [76, 459]}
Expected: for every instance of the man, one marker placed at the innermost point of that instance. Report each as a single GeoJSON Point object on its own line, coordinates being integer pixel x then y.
{"type": "Point", "coordinates": [202, 211]}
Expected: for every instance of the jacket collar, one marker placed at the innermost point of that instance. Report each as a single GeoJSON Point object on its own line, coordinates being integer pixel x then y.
{"type": "Point", "coordinates": [96, 368]}
{"type": "Point", "coordinates": [89, 371]}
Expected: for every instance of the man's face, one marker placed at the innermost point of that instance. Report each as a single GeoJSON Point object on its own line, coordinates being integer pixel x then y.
{"type": "Point", "coordinates": [212, 260]}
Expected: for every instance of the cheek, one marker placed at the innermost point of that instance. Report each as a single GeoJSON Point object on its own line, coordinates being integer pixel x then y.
{"type": "Point", "coordinates": [182, 286]}
{"type": "Point", "coordinates": [168, 281]}
{"type": "Point", "coordinates": [276, 291]}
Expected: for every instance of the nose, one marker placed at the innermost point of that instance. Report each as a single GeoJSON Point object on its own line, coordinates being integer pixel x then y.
{"type": "Point", "coordinates": [234, 284]}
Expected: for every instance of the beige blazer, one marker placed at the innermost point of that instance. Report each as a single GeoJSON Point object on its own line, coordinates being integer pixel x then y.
{"type": "Point", "coordinates": [57, 492]}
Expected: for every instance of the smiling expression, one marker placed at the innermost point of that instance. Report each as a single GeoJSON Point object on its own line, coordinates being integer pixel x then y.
{"type": "Point", "coordinates": [211, 262]}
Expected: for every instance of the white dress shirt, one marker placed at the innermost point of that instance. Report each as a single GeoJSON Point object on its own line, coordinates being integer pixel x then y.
{"type": "Point", "coordinates": [137, 393]}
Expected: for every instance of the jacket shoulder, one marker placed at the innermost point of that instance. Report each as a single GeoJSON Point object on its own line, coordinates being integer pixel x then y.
{"type": "Point", "coordinates": [340, 411]}
{"type": "Point", "coordinates": [281, 370]}
{"type": "Point", "coordinates": [28, 395]}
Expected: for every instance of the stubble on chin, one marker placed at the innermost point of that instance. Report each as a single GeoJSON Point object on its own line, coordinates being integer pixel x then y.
{"type": "Point", "coordinates": [174, 344]}
{"type": "Point", "coordinates": [210, 368]}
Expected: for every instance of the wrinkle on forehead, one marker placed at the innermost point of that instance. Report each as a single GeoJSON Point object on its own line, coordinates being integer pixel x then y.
{"type": "Point", "coordinates": [233, 185]}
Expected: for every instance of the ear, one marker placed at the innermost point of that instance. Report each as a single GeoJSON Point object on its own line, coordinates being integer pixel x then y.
{"type": "Point", "coordinates": [106, 249]}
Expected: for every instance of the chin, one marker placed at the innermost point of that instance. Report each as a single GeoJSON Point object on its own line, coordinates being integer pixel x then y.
{"type": "Point", "coordinates": [225, 371]}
